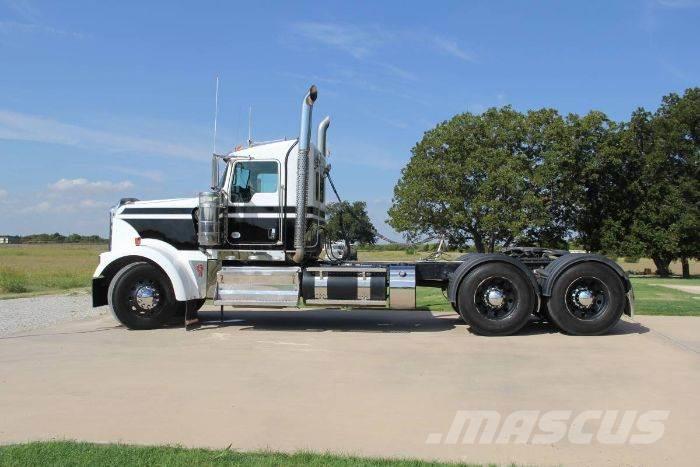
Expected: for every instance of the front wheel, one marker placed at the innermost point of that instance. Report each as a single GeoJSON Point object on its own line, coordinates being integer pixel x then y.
{"type": "Point", "coordinates": [496, 299]}
{"type": "Point", "coordinates": [587, 299]}
{"type": "Point", "coordinates": [141, 296]}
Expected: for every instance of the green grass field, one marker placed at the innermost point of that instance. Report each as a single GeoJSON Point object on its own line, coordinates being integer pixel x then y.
{"type": "Point", "coordinates": [67, 453]}
{"type": "Point", "coordinates": [37, 269]}
{"type": "Point", "coordinates": [653, 298]}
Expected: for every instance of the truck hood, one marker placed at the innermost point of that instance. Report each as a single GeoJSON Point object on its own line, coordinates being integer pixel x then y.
{"type": "Point", "coordinates": [156, 204]}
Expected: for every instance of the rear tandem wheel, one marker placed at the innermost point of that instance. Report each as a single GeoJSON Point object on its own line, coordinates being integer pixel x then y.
{"type": "Point", "coordinates": [587, 299]}
{"type": "Point", "coordinates": [496, 299]}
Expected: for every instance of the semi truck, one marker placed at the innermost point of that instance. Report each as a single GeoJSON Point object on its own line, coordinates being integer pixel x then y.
{"type": "Point", "coordinates": [255, 238]}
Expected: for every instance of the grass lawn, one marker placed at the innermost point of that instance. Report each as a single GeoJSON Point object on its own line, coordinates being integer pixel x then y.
{"type": "Point", "coordinates": [36, 269]}
{"type": "Point", "coordinates": [652, 298]}
{"type": "Point", "coordinates": [61, 453]}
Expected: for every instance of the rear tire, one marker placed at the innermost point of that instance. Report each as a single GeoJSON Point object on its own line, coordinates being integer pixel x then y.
{"type": "Point", "coordinates": [496, 299]}
{"type": "Point", "coordinates": [141, 296]}
{"type": "Point", "coordinates": [587, 299]}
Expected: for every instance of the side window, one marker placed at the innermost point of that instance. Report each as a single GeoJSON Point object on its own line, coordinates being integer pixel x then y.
{"type": "Point", "coordinates": [250, 177]}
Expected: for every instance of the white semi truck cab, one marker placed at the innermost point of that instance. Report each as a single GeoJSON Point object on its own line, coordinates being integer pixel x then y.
{"type": "Point", "coordinates": [255, 240]}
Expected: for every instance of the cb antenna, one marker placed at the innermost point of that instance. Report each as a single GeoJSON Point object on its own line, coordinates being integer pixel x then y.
{"type": "Point", "coordinates": [250, 126]}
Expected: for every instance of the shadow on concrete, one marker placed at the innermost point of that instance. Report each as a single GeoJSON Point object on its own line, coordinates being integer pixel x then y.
{"type": "Point", "coordinates": [628, 327]}
{"type": "Point", "coordinates": [319, 320]}
{"type": "Point", "coordinates": [382, 321]}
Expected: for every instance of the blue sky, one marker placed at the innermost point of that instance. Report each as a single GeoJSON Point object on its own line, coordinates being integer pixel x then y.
{"type": "Point", "coordinates": [100, 100]}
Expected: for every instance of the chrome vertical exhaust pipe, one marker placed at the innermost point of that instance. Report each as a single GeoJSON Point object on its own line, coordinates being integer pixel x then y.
{"type": "Point", "coordinates": [303, 174]}
{"type": "Point", "coordinates": [322, 130]}
{"type": "Point", "coordinates": [214, 172]}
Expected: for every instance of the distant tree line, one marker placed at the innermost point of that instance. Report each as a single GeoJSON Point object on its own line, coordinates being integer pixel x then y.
{"type": "Point", "coordinates": [58, 238]}
{"type": "Point", "coordinates": [538, 178]}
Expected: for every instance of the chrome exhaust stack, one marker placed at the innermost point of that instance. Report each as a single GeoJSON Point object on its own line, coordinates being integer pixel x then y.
{"type": "Point", "coordinates": [303, 174]}
{"type": "Point", "coordinates": [322, 130]}
{"type": "Point", "coordinates": [214, 173]}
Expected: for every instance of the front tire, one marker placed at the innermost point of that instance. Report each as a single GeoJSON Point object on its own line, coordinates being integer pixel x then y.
{"type": "Point", "coordinates": [587, 299]}
{"type": "Point", "coordinates": [141, 296]}
{"type": "Point", "coordinates": [496, 299]}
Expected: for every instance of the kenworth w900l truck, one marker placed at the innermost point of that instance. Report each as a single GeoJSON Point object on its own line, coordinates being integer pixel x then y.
{"type": "Point", "coordinates": [255, 240]}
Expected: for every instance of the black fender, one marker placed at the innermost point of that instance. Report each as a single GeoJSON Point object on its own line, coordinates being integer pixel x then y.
{"type": "Point", "coordinates": [556, 268]}
{"type": "Point", "coordinates": [472, 260]}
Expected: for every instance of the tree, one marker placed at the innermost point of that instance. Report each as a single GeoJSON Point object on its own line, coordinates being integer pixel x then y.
{"type": "Point", "coordinates": [630, 188]}
{"type": "Point", "coordinates": [678, 127]}
{"type": "Point", "coordinates": [665, 223]}
{"type": "Point", "coordinates": [474, 179]}
{"type": "Point", "coordinates": [600, 174]}
{"type": "Point", "coordinates": [545, 144]}
{"type": "Point", "coordinates": [346, 221]}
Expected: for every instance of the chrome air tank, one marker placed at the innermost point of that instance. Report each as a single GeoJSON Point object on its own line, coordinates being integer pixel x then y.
{"type": "Point", "coordinates": [209, 233]}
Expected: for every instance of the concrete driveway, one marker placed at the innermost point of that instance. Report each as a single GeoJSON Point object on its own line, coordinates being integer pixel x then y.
{"type": "Point", "coordinates": [386, 383]}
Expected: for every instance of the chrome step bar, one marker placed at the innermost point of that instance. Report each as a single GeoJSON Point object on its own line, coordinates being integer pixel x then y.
{"type": "Point", "coordinates": [257, 286]}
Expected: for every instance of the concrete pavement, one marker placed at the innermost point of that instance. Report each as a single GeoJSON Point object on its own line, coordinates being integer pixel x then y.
{"type": "Point", "coordinates": [364, 382]}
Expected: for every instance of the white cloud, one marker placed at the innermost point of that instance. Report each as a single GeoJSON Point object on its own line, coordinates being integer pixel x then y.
{"type": "Point", "coordinates": [399, 72]}
{"type": "Point", "coordinates": [26, 127]}
{"type": "Point", "coordinates": [82, 185]}
{"type": "Point", "coordinates": [67, 207]}
{"type": "Point", "coordinates": [364, 41]}
{"type": "Point", "coordinates": [29, 21]}
{"type": "Point", "coordinates": [9, 28]}
{"type": "Point", "coordinates": [43, 206]}
{"type": "Point", "coordinates": [450, 47]}
{"type": "Point", "coordinates": [148, 174]}
{"type": "Point", "coordinates": [679, 3]}
{"type": "Point", "coordinates": [23, 8]}
{"type": "Point", "coordinates": [356, 41]}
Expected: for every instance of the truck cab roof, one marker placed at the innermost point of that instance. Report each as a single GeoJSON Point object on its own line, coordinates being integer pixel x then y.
{"type": "Point", "coordinates": [266, 150]}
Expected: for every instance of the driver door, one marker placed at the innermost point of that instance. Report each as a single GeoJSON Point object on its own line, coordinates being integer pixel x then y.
{"type": "Point", "coordinates": [254, 212]}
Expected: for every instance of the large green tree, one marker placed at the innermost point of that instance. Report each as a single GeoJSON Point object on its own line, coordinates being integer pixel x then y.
{"type": "Point", "coordinates": [597, 171]}
{"type": "Point", "coordinates": [664, 218]}
{"type": "Point", "coordinates": [349, 221]}
{"type": "Point", "coordinates": [474, 179]}
{"type": "Point", "coordinates": [630, 188]}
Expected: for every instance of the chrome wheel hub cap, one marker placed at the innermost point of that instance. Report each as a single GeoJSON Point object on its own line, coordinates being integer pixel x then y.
{"type": "Point", "coordinates": [584, 297]}
{"type": "Point", "coordinates": [147, 297]}
{"type": "Point", "coordinates": [494, 297]}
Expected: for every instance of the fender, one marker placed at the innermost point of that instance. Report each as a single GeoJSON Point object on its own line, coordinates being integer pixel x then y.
{"type": "Point", "coordinates": [472, 260]}
{"type": "Point", "coordinates": [186, 269]}
{"type": "Point", "coordinates": [556, 268]}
